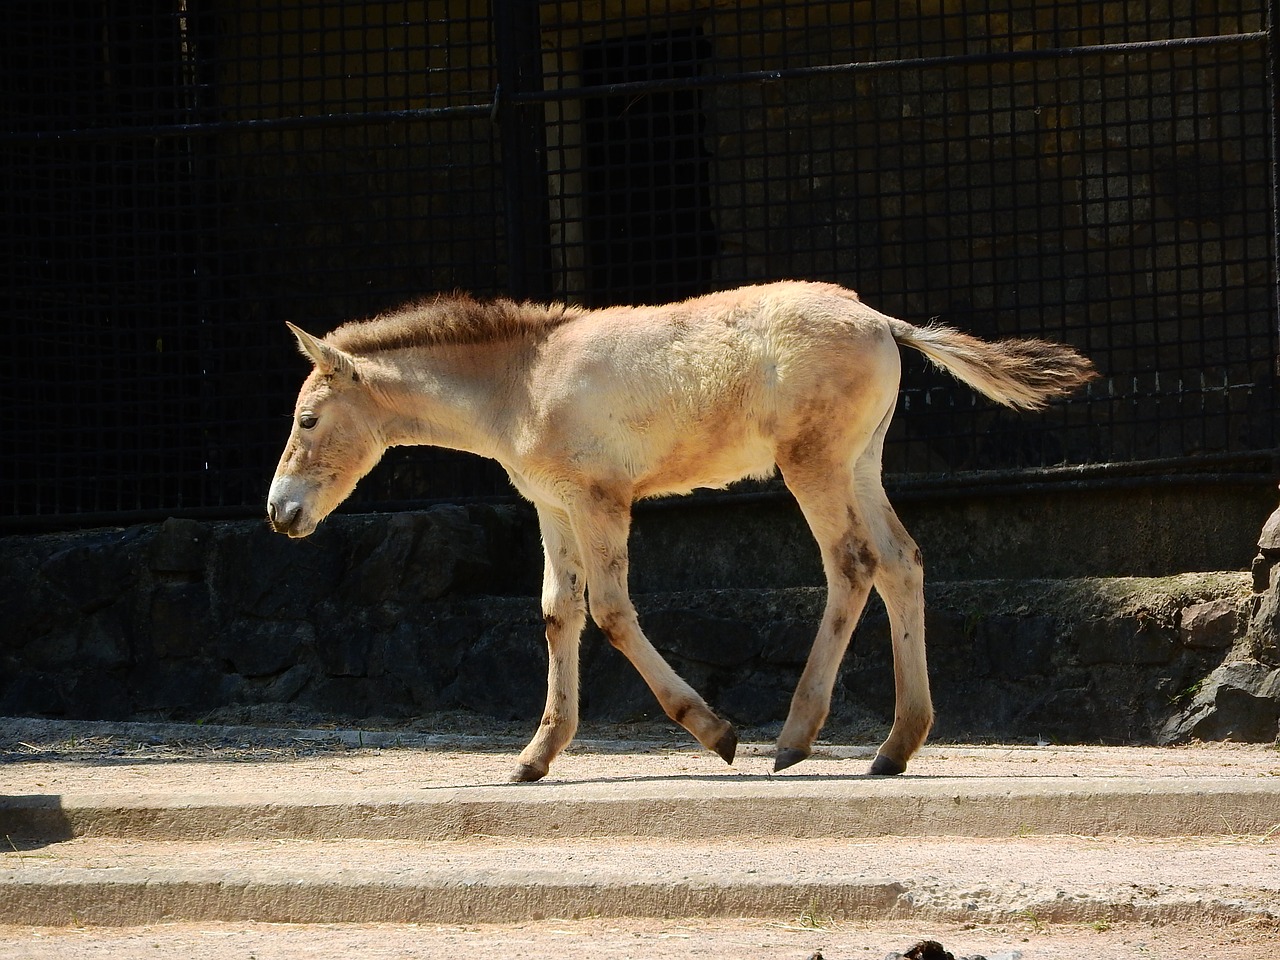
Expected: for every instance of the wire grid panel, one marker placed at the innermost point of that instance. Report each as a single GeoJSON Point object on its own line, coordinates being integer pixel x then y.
{"type": "Point", "coordinates": [180, 177]}
{"type": "Point", "coordinates": [1086, 172]}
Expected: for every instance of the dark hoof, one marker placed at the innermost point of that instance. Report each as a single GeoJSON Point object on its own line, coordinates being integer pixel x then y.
{"type": "Point", "coordinates": [788, 757]}
{"type": "Point", "coordinates": [525, 773]}
{"type": "Point", "coordinates": [727, 745]}
{"type": "Point", "coordinates": [883, 766]}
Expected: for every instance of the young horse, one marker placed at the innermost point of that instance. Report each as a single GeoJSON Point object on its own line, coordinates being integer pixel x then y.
{"type": "Point", "coordinates": [589, 410]}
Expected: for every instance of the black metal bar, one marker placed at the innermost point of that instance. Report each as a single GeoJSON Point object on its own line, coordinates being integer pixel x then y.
{"type": "Point", "coordinates": [509, 97]}
{"type": "Point", "coordinates": [1273, 81]}
{"type": "Point", "coordinates": [909, 63]}
{"type": "Point", "coordinates": [523, 133]}
{"type": "Point", "coordinates": [256, 125]}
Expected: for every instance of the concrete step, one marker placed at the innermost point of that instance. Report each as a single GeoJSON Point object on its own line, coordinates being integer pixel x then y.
{"type": "Point", "coordinates": [113, 882]}
{"type": "Point", "coordinates": [127, 825]}
{"type": "Point", "coordinates": [709, 806]}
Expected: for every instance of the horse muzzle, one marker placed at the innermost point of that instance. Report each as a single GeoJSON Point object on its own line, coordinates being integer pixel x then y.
{"type": "Point", "coordinates": [286, 508]}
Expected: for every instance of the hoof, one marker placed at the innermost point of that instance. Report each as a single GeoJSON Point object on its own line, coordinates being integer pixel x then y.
{"type": "Point", "coordinates": [526, 773]}
{"type": "Point", "coordinates": [883, 766]}
{"type": "Point", "coordinates": [788, 757]}
{"type": "Point", "coordinates": [727, 745]}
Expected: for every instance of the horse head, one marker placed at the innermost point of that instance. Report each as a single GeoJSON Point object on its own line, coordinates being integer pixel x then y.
{"type": "Point", "coordinates": [334, 442]}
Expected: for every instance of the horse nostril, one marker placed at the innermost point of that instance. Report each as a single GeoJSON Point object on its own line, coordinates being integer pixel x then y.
{"type": "Point", "coordinates": [282, 516]}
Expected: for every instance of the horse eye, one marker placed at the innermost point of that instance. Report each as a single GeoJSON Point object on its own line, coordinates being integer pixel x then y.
{"type": "Point", "coordinates": [307, 421]}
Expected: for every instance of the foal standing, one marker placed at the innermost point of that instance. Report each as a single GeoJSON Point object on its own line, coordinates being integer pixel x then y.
{"type": "Point", "coordinates": [589, 411]}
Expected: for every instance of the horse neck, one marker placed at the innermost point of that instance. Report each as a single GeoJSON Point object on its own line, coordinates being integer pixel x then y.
{"type": "Point", "coordinates": [455, 396]}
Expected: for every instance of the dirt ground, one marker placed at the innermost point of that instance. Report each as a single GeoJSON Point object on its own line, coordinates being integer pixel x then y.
{"type": "Point", "coordinates": [613, 939]}
{"type": "Point", "coordinates": [135, 758]}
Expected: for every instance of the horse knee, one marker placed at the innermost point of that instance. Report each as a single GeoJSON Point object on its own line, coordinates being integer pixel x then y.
{"type": "Point", "coordinates": [564, 614]}
{"type": "Point", "coordinates": [911, 564]}
{"type": "Point", "coordinates": [615, 621]}
{"type": "Point", "coordinates": [902, 564]}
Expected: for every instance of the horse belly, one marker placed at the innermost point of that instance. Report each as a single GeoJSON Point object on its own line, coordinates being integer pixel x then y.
{"type": "Point", "coordinates": [711, 457]}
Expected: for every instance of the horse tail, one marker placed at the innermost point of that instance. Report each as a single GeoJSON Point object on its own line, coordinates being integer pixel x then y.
{"type": "Point", "coordinates": [1024, 374]}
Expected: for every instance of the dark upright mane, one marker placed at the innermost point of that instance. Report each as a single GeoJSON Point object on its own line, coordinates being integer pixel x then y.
{"type": "Point", "coordinates": [449, 321]}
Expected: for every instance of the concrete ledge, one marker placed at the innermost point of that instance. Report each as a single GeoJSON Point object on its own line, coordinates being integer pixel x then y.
{"type": "Point", "coordinates": [164, 824]}
{"type": "Point", "coordinates": [699, 808]}
{"type": "Point", "coordinates": [124, 883]}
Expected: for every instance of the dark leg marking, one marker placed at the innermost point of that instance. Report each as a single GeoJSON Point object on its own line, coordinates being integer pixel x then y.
{"type": "Point", "coordinates": [867, 557]}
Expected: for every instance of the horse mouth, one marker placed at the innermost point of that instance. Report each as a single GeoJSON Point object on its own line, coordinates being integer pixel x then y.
{"type": "Point", "coordinates": [293, 529]}
{"type": "Point", "coordinates": [289, 519]}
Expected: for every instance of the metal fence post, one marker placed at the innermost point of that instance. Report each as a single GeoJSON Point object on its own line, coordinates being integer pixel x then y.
{"type": "Point", "coordinates": [1273, 81]}
{"type": "Point", "coordinates": [522, 134]}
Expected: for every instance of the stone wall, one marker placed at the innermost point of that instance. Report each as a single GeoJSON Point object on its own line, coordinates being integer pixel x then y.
{"type": "Point", "coordinates": [385, 618]}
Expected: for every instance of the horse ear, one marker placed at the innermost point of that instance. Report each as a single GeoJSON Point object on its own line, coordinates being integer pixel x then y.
{"type": "Point", "coordinates": [326, 357]}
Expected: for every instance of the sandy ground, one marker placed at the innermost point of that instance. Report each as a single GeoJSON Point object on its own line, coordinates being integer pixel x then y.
{"type": "Point", "coordinates": [746, 939]}
{"type": "Point", "coordinates": [141, 759]}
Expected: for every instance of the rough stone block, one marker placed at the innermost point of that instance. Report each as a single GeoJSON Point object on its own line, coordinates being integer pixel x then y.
{"type": "Point", "coordinates": [612, 690]}
{"type": "Point", "coordinates": [1017, 647]}
{"type": "Point", "coordinates": [1261, 571]}
{"type": "Point", "coordinates": [103, 641]}
{"type": "Point", "coordinates": [1209, 626]}
{"type": "Point", "coordinates": [1269, 539]}
{"type": "Point", "coordinates": [1263, 632]}
{"type": "Point", "coordinates": [263, 648]}
{"type": "Point", "coordinates": [180, 546]}
{"type": "Point", "coordinates": [437, 646]}
{"type": "Point", "coordinates": [1239, 701]}
{"type": "Point", "coordinates": [32, 693]}
{"type": "Point", "coordinates": [788, 642]}
{"type": "Point", "coordinates": [697, 637]}
{"type": "Point", "coordinates": [1129, 641]}
{"type": "Point", "coordinates": [265, 575]}
{"type": "Point", "coordinates": [30, 606]}
{"type": "Point", "coordinates": [947, 629]}
{"type": "Point", "coordinates": [287, 686]}
{"type": "Point", "coordinates": [1067, 713]}
{"type": "Point", "coordinates": [97, 572]}
{"type": "Point", "coordinates": [342, 697]}
{"type": "Point", "coordinates": [180, 688]}
{"type": "Point", "coordinates": [761, 698]}
{"type": "Point", "coordinates": [504, 673]}
{"type": "Point", "coordinates": [379, 560]}
{"type": "Point", "coordinates": [180, 619]}
{"type": "Point", "coordinates": [99, 695]}
{"type": "Point", "coordinates": [450, 555]}
{"type": "Point", "coordinates": [56, 649]}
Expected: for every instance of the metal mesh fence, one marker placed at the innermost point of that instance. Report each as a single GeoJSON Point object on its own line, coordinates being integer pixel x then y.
{"type": "Point", "coordinates": [179, 176]}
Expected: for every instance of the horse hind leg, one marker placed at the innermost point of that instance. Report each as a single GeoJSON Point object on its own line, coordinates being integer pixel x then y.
{"type": "Point", "coordinates": [850, 561]}
{"type": "Point", "coordinates": [899, 579]}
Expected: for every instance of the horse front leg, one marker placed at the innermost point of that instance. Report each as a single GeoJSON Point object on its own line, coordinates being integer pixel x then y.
{"type": "Point", "coordinates": [564, 611]}
{"type": "Point", "coordinates": [601, 527]}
